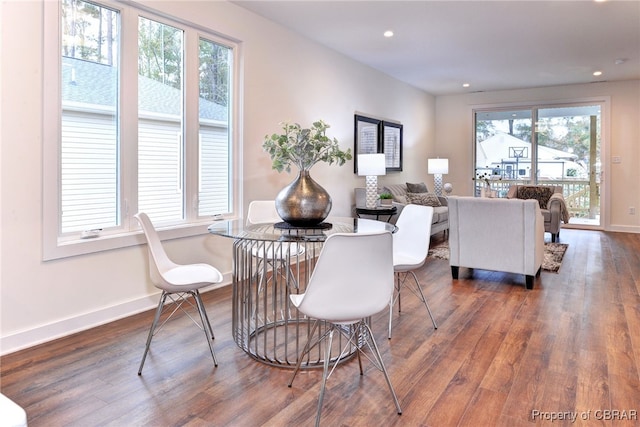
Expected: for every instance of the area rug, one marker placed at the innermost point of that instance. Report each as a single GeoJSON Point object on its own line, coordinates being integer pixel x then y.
{"type": "Point", "coordinates": [553, 254]}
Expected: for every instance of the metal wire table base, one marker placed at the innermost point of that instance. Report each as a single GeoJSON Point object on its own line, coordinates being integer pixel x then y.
{"type": "Point", "coordinates": [266, 325]}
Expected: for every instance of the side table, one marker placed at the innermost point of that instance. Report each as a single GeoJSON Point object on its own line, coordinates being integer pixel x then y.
{"type": "Point", "coordinates": [378, 212]}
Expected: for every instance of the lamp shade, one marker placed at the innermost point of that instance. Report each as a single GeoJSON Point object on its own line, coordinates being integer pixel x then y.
{"type": "Point", "coordinates": [371, 164]}
{"type": "Point", "coordinates": [440, 166]}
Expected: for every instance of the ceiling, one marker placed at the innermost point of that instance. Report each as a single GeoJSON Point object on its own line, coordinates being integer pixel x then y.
{"type": "Point", "coordinates": [491, 45]}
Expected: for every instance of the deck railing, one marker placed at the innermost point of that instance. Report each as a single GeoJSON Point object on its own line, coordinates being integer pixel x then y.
{"type": "Point", "coordinates": [580, 200]}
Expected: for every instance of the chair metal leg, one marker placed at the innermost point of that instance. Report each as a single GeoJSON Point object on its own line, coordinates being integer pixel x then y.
{"type": "Point", "coordinates": [394, 297]}
{"type": "Point", "coordinates": [262, 265]}
{"type": "Point", "coordinates": [424, 300]}
{"type": "Point", "coordinates": [204, 319]}
{"type": "Point", "coordinates": [390, 316]}
{"type": "Point", "coordinates": [421, 296]}
{"type": "Point", "coordinates": [376, 351]}
{"type": "Point", "coordinates": [206, 325]}
{"type": "Point", "coordinates": [152, 330]}
{"type": "Point", "coordinates": [357, 333]}
{"type": "Point", "coordinates": [307, 348]}
{"type": "Point", "coordinates": [399, 284]}
{"type": "Point", "coordinates": [325, 373]}
{"type": "Point", "coordinates": [279, 269]}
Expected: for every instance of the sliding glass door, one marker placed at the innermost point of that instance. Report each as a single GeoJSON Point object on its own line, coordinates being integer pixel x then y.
{"type": "Point", "coordinates": [557, 145]}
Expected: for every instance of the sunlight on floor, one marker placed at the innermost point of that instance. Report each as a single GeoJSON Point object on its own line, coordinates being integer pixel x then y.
{"type": "Point", "coordinates": [585, 221]}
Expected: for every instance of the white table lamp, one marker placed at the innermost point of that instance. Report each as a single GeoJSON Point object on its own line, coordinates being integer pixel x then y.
{"type": "Point", "coordinates": [370, 166]}
{"type": "Point", "coordinates": [437, 168]}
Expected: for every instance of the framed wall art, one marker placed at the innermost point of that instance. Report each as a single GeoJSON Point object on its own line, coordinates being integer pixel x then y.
{"type": "Point", "coordinates": [373, 136]}
{"type": "Point", "coordinates": [392, 145]}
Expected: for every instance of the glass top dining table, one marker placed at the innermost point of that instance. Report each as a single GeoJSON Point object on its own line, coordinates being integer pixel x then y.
{"type": "Point", "coordinates": [282, 232]}
{"type": "Point", "coordinates": [270, 262]}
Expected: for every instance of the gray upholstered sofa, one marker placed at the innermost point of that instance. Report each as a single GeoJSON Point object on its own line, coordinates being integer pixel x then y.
{"type": "Point", "coordinates": [552, 204]}
{"type": "Point", "coordinates": [440, 221]}
{"type": "Point", "coordinates": [496, 234]}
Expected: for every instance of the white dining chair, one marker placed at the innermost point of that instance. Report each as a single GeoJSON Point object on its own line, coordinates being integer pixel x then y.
{"type": "Point", "coordinates": [276, 255]}
{"type": "Point", "coordinates": [349, 283]}
{"type": "Point", "coordinates": [263, 212]}
{"type": "Point", "coordinates": [177, 282]}
{"type": "Point", "coordinates": [410, 249]}
{"type": "Point", "coordinates": [13, 415]}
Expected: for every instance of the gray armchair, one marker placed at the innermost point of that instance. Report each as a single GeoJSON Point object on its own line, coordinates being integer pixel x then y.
{"type": "Point", "coordinates": [552, 204]}
{"type": "Point", "coordinates": [496, 234]}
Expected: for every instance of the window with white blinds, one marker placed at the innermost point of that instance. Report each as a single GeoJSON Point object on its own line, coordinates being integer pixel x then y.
{"type": "Point", "coordinates": [169, 157]}
{"type": "Point", "coordinates": [89, 173]}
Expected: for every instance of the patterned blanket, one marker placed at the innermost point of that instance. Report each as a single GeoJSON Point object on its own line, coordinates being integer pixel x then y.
{"type": "Point", "coordinates": [564, 212]}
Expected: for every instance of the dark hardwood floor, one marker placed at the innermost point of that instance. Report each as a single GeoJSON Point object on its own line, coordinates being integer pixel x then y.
{"type": "Point", "coordinates": [500, 353]}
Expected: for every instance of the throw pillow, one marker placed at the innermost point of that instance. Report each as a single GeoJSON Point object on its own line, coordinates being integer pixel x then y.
{"type": "Point", "coordinates": [424, 199]}
{"type": "Point", "coordinates": [540, 193]}
{"type": "Point", "coordinates": [417, 188]}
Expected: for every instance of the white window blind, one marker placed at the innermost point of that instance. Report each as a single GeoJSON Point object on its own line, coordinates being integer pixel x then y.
{"type": "Point", "coordinates": [160, 190]}
{"type": "Point", "coordinates": [213, 194]}
{"type": "Point", "coordinates": [89, 178]}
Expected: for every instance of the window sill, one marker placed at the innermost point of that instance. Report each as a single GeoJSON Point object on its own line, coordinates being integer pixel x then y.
{"type": "Point", "coordinates": [71, 248]}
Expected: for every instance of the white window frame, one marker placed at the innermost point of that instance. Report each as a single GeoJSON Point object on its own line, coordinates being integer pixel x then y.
{"type": "Point", "coordinates": [129, 233]}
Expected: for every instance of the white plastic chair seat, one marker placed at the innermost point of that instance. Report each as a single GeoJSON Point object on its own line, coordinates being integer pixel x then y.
{"type": "Point", "coordinates": [177, 283]}
{"type": "Point", "coordinates": [349, 280]}
{"type": "Point", "coordinates": [265, 212]}
{"type": "Point", "coordinates": [410, 249]}
{"type": "Point", "coordinates": [194, 276]}
{"type": "Point", "coordinates": [349, 283]}
{"type": "Point", "coordinates": [13, 415]}
{"type": "Point", "coordinates": [262, 212]}
{"type": "Point", "coordinates": [405, 262]}
{"type": "Point", "coordinates": [297, 299]}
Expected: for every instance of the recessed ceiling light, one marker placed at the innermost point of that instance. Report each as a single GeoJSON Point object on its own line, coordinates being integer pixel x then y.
{"type": "Point", "coordinates": [465, 85]}
{"type": "Point", "coordinates": [597, 73]}
{"type": "Point", "coordinates": [388, 33]}
{"type": "Point", "coordinates": [620, 61]}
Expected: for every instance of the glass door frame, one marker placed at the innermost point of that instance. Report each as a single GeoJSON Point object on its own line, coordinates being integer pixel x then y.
{"type": "Point", "coordinates": [602, 171]}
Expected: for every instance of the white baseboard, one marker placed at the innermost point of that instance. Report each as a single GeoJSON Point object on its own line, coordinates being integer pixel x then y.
{"type": "Point", "coordinates": [51, 331]}
{"type": "Point", "coordinates": [624, 228]}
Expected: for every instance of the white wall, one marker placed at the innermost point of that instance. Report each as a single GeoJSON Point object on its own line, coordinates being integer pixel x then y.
{"type": "Point", "coordinates": [285, 77]}
{"type": "Point", "coordinates": [454, 126]}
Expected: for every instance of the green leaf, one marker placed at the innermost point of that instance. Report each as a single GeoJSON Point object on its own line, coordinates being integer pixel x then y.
{"type": "Point", "coordinates": [303, 147]}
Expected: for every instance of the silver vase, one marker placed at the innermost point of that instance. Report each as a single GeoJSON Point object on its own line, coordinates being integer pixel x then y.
{"type": "Point", "coordinates": [303, 203]}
